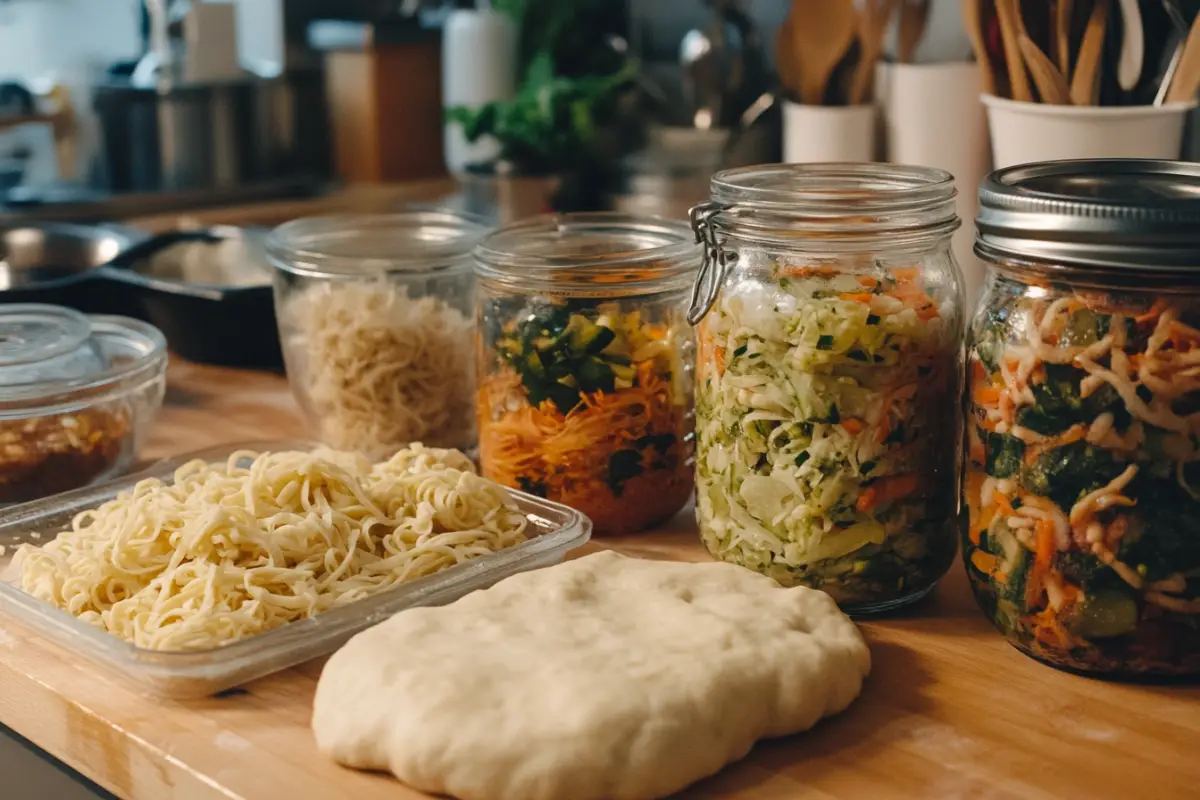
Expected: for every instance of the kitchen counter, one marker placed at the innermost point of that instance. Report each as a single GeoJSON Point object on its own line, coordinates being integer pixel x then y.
{"type": "Point", "coordinates": [950, 710]}
{"type": "Point", "coordinates": [352, 199]}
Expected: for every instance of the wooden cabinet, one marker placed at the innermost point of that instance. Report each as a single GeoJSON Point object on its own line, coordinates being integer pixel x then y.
{"type": "Point", "coordinates": [385, 102]}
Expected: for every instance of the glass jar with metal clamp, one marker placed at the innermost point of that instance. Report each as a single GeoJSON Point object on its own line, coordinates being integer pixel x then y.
{"type": "Point", "coordinates": [829, 311]}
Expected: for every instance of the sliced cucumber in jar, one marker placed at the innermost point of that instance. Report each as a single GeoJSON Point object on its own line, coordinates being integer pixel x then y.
{"type": "Point", "coordinates": [1106, 614]}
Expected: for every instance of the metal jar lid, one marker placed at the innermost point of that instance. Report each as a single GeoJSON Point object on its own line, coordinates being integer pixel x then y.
{"type": "Point", "coordinates": [1106, 213]}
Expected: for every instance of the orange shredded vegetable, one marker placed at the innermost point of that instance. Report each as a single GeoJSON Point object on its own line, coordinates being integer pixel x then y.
{"type": "Point", "coordinates": [986, 395]}
{"type": "Point", "coordinates": [567, 456]}
{"type": "Point", "coordinates": [809, 272]}
{"type": "Point", "coordinates": [985, 562]}
{"type": "Point", "coordinates": [853, 426]}
{"type": "Point", "coordinates": [884, 490]}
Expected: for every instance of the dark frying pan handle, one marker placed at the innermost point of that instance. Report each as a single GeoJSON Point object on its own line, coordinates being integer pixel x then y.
{"type": "Point", "coordinates": [156, 244]}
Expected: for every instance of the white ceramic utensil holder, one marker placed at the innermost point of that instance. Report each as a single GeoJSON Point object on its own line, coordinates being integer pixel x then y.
{"type": "Point", "coordinates": [1026, 132]}
{"type": "Point", "coordinates": [828, 133]}
{"type": "Point", "coordinates": [932, 118]}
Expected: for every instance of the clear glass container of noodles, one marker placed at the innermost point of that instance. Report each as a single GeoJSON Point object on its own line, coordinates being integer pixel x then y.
{"type": "Point", "coordinates": [376, 321]}
{"type": "Point", "coordinates": [1082, 489]}
{"type": "Point", "coordinates": [585, 364]}
{"type": "Point", "coordinates": [828, 384]}
{"type": "Point", "coordinates": [550, 532]}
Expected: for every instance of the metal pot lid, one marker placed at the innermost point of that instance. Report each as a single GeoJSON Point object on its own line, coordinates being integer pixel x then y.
{"type": "Point", "coordinates": [48, 350]}
{"type": "Point", "coordinates": [1107, 213]}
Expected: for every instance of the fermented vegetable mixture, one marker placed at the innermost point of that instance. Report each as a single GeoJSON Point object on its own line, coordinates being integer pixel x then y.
{"type": "Point", "coordinates": [827, 430]}
{"type": "Point", "coordinates": [1084, 480]}
{"type": "Point", "coordinates": [588, 405]}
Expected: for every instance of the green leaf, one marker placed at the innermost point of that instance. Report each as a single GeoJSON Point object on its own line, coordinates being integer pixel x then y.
{"type": "Point", "coordinates": [1004, 454]}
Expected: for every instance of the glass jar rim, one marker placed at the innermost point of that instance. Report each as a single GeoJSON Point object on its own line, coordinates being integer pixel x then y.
{"type": "Point", "coordinates": [332, 246]}
{"type": "Point", "coordinates": [833, 207]}
{"type": "Point", "coordinates": [612, 248]}
{"type": "Point", "coordinates": [834, 189]}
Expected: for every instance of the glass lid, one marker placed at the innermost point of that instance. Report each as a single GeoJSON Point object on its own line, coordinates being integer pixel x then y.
{"type": "Point", "coordinates": [46, 351]}
{"type": "Point", "coordinates": [40, 343]}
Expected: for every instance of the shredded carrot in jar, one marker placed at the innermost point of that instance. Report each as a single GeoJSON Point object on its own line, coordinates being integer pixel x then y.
{"type": "Point", "coordinates": [853, 426]}
{"type": "Point", "coordinates": [621, 456]}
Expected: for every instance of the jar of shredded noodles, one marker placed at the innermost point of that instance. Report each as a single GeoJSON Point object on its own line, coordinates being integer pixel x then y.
{"type": "Point", "coordinates": [828, 381]}
{"type": "Point", "coordinates": [376, 319]}
{"type": "Point", "coordinates": [1082, 488]}
{"type": "Point", "coordinates": [585, 364]}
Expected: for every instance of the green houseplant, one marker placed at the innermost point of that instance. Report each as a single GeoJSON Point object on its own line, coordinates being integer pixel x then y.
{"type": "Point", "coordinates": [570, 81]}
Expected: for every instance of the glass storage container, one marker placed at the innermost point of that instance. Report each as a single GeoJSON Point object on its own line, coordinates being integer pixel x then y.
{"type": "Point", "coordinates": [585, 364]}
{"type": "Point", "coordinates": [77, 395]}
{"type": "Point", "coordinates": [829, 377]}
{"type": "Point", "coordinates": [376, 322]}
{"type": "Point", "coordinates": [178, 674]}
{"type": "Point", "coordinates": [1083, 480]}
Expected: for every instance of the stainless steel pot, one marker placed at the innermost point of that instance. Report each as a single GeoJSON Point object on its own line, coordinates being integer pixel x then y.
{"type": "Point", "coordinates": [205, 137]}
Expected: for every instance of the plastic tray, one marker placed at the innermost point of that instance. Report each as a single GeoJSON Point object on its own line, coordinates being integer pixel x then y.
{"type": "Point", "coordinates": [554, 530]}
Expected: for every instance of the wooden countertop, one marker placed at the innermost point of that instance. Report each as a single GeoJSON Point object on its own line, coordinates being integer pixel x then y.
{"type": "Point", "coordinates": [949, 711]}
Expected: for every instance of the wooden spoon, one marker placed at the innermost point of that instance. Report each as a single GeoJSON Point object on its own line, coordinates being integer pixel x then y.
{"type": "Point", "coordinates": [873, 19]}
{"type": "Point", "coordinates": [785, 57]}
{"type": "Point", "coordinates": [821, 33]}
{"type": "Point", "coordinates": [1009, 15]}
{"type": "Point", "coordinates": [1087, 64]}
{"type": "Point", "coordinates": [1062, 35]}
{"type": "Point", "coordinates": [1051, 84]}
{"type": "Point", "coordinates": [973, 22]}
{"type": "Point", "coordinates": [914, 16]}
{"type": "Point", "coordinates": [1186, 82]}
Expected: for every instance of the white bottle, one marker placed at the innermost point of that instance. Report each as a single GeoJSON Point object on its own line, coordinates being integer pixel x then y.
{"type": "Point", "coordinates": [479, 65]}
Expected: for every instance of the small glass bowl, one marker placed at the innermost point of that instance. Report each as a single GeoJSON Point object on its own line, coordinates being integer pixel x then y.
{"type": "Point", "coordinates": [77, 394]}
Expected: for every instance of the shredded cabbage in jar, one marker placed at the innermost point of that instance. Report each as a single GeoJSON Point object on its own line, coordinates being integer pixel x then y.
{"type": "Point", "coordinates": [827, 431]}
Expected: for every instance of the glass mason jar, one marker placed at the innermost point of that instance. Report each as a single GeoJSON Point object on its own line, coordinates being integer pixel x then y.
{"type": "Point", "coordinates": [376, 321]}
{"type": "Point", "coordinates": [829, 377]}
{"type": "Point", "coordinates": [585, 364]}
{"type": "Point", "coordinates": [1083, 478]}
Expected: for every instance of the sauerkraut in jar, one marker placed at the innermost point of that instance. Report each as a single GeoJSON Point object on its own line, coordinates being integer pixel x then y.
{"type": "Point", "coordinates": [828, 378]}
{"type": "Point", "coordinates": [1083, 483]}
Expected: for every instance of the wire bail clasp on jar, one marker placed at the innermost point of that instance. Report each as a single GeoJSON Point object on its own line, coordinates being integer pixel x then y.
{"type": "Point", "coordinates": [714, 265]}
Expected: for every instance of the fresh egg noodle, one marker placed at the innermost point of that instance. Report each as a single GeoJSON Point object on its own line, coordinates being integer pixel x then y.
{"type": "Point", "coordinates": [380, 368]}
{"type": "Point", "coordinates": [227, 551]}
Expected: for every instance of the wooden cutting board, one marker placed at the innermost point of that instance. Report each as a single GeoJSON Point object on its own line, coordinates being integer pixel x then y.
{"type": "Point", "coordinates": [949, 710]}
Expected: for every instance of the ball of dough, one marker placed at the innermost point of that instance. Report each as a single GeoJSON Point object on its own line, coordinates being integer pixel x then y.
{"type": "Point", "coordinates": [603, 678]}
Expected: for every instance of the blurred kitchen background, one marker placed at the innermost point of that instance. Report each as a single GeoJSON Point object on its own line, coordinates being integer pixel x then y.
{"type": "Point", "coordinates": [117, 109]}
{"type": "Point", "coordinates": [112, 108]}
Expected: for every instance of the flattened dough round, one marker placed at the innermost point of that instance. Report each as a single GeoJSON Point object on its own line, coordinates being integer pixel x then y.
{"type": "Point", "coordinates": [603, 678]}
